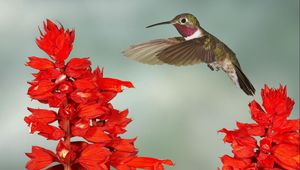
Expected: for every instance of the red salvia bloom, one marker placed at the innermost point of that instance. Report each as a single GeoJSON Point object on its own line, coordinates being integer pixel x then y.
{"type": "Point", "coordinates": [81, 98]}
{"type": "Point", "coordinates": [272, 142]}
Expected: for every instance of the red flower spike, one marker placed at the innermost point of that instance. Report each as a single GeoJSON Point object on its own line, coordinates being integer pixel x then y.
{"type": "Point", "coordinates": [277, 137]}
{"type": "Point", "coordinates": [82, 98]}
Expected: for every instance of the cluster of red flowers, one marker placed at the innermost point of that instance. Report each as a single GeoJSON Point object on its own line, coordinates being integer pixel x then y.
{"type": "Point", "coordinates": [273, 142]}
{"type": "Point", "coordinates": [80, 100]}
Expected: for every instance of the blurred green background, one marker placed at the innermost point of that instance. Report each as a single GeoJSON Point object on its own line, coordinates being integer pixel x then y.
{"type": "Point", "coordinates": [176, 111]}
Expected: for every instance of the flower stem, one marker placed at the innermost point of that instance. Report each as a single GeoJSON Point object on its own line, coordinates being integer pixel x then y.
{"type": "Point", "coordinates": [67, 166]}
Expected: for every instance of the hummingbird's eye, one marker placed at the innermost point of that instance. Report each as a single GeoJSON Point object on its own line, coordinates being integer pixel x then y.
{"type": "Point", "coordinates": [183, 20]}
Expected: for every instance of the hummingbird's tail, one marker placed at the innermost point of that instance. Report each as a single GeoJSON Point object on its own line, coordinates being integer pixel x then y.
{"type": "Point", "coordinates": [242, 81]}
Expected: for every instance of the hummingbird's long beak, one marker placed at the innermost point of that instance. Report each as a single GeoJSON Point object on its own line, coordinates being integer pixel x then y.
{"type": "Point", "coordinates": [161, 23]}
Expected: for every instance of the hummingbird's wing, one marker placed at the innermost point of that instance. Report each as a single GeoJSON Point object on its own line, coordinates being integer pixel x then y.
{"type": "Point", "coordinates": [189, 52]}
{"type": "Point", "coordinates": [147, 52]}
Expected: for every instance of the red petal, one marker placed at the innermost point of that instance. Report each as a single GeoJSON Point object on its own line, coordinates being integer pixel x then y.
{"type": "Point", "coordinates": [57, 100]}
{"type": "Point", "coordinates": [90, 111]}
{"type": "Point", "coordinates": [85, 96]}
{"type": "Point", "coordinates": [265, 160]}
{"type": "Point", "coordinates": [146, 162]}
{"type": "Point", "coordinates": [289, 137]}
{"type": "Point", "coordinates": [48, 131]}
{"type": "Point", "coordinates": [94, 157]}
{"type": "Point", "coordinates": [79, 63]}
{"type": "Point", "coordinates": [40, 88]}
{"type": "Point", "coordinates": [40, 63]}
{"type": "Point", "coordinates": [78, 67]}
{"type": "Point", "coordinates": [108, 95]}
{"type": "Point", "coordinates": [80, 127]}
{"type": "Point", "coordinates": [258, 114]}
{"type": "Point", "coordinates": [49, 74]}
{"type": "Point", "coordinates": [117, 122]}
{"type": "Point", "coordinates": [40, 158]}
{"type": "Point", "coordinates": [118, 158]}
{"type": "Point", "coordinates": [230, 135]}
{"type": "Point", "coordinates": [113, 84]}
{"type": "Point", "coordinates": [243, 147]}
{"type": "Point", "coordinates": [96, 135]}
{"type": "Point", "coordinates": [290, 125]}
{"type": "Point", "coordinates": [83, 84]}
{"type": "Point", "coordinates": [287, 156]}
{"type": "Point", "coordinates": [98, 73]}
{"type": "Point", "coordinates": [78, 146]}
{"type": "Point", "coordinates": [251, 129]}
{"type": "Point", "coordinates": [241, 151]}
{"type": "Point", "coordinates": [234, 163]}
{"type": "Point", "coordinates": [41, 115]}
{"type": "Point", "coordinates": [125, 145]}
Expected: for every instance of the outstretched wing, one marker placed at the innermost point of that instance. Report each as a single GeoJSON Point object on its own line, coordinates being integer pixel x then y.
{"type": "Point", "coordinates": [177, 51]}
{"type": "Point", "coordinates": [190, 52]}
{"type": "Point", "coordinates": [148, 52]}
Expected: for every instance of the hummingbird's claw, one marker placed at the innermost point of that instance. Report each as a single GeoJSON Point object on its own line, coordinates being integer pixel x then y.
{"type": "Point", "coordinates": [211, 67]}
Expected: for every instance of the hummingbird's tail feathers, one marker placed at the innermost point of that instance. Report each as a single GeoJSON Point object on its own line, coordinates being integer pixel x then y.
{"type": "Point", "coordinates": [147, 52]}
{"type": "Point", "coordinates": [243, 81]}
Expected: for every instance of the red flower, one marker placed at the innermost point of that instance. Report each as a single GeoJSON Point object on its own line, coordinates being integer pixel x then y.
{"type": "Point", "coordinates": [56, 42]}
{"type": "Point", "coordinates": [82, 98]}
{"type": "Point", "coordinates": [94, 157]}
{"type": "Point", "coordinates": [276, 143]}
{"type": "Point", "coordinates": [40, 158]}
{"type": "Point", "coordinates": [40, 63]}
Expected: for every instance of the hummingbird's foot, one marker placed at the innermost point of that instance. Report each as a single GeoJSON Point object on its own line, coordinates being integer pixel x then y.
{"type": "Point", "coordinates": [211, 67]}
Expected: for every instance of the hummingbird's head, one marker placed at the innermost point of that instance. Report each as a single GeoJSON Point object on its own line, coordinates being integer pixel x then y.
{"type": "Point", "coordinates": [186, 24]}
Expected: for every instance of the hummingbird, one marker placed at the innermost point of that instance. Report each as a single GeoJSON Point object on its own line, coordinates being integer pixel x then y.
{"type": "Point", "coordinates": [194, 46]}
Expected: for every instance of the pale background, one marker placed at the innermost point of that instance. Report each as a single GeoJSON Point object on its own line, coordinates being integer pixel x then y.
{"type": "Point", "coordinates": [176, 111]}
